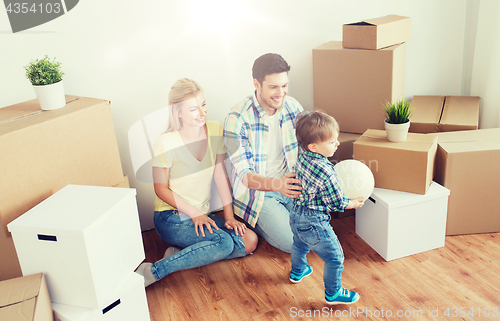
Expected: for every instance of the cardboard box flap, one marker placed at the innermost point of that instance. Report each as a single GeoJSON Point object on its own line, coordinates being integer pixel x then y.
{"type": "Point", "coordinates": [464, 110]}
{"type": "Point", "coordinates": [384, 20]}
{"type": "Point", "coordinates": [470, 140]}
{"type": "Point", "coordinates": [21, 289]}
{"type": "Point", "coordinates": [413, 141]}
{"type": "Point", "coordinates": [426, 108]}
{"type": "Point", "coordinates": [391, 199]}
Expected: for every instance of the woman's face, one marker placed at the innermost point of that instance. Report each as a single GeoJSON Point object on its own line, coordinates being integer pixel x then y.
{"type": "Point", "coordinates": [193, 111]}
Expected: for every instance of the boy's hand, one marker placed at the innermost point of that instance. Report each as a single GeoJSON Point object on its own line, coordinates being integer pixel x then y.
{"type": "Point", "coordinates": [288, 186]}
{"type": "Point", "coordinates": [356, 203]}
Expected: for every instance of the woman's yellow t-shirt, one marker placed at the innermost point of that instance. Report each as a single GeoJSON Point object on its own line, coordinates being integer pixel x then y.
{"type": "Point", "coordinates": [189, 178]}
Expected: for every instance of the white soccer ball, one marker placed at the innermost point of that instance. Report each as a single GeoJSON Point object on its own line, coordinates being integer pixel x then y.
{"type": "Point", "coordinates": [355, 178]}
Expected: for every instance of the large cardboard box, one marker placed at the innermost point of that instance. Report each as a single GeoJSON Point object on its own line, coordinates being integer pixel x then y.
{"type": "Point", "coordinates": [85, 239]}
{"type": "Point", "coordinates": [376, 33]}
{"type": "Point", "coordinates": [127, 303]}
{"type": "Point", "coordinates": [432, 114]}
{"type": "Point", "coordinates": [397, 224]}
{"type": "Point", "coordinates": [467, 163]}
{"type": "Point", "coordinates": [43, 151]}
{"type": "Point", "coordinates": [25, 299]}
{"type": "Point", "coordinates": [406, 166]}
{"type": "Point", "coordinates": [353, 85]}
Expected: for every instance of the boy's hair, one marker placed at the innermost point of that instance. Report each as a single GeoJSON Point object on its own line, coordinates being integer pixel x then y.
{"type": "Point", "coordinates": [314, 127]}
{"type": "Point", "coordinates": [268, 64]}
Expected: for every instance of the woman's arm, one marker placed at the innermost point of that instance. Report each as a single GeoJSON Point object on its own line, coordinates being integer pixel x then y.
{"type": "Point", "coordinates": [224, 188]}
{"type": "Point", "coordinates": [160, 179]}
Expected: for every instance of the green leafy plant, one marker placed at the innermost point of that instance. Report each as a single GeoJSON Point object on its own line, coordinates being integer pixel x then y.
{"type": "Point", "coordinates": [44, 71]}
{"type": "Point", "coordinates": [398, 112]}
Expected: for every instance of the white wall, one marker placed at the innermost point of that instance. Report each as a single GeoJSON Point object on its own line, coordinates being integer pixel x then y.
{"type": "Point", "coordinates": [130, 52]}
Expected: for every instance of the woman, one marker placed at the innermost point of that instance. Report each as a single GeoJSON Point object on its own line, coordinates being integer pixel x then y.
{"type": "Point", "coordinates": [187, 157]}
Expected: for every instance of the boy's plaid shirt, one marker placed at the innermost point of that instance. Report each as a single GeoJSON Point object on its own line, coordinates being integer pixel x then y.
{"type": "Point", "coordinates": [320, 187]}
{"type": "Point", "coordinates": [246, 135]}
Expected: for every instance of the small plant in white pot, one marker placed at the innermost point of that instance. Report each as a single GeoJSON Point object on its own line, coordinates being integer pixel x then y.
{"type": "Point", "coordinates": [46, 77]}
{"type": "Point", "coordinates": [397, 122]}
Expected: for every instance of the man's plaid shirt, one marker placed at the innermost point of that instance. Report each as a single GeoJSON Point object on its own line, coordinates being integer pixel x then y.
{"type": "Point", "coordinates": [320, 187]}
{"type": "Point", "coordinates": [246, 135]}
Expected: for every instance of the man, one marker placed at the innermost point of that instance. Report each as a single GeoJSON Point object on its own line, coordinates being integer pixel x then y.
{"type": "Point", "coordinates": [259, 134]}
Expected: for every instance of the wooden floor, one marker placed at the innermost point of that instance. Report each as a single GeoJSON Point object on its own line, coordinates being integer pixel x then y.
{"type": "Point", "coordinates": [458, 282]}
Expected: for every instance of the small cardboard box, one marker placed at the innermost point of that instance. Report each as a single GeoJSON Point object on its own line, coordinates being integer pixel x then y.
{"type": "Point", "coordinates": [397, 224]}
{"type": "Point", "coordinates": [43, 151]}
{"type": "Point", "coordinates": [432, 114]}
{"type": "Point", "coordinates": [127, 303]}
{"type": "Point", "coordinates": [467, 163]}
{"type": "Point", "coordinates": [25, 299]}
{"type": "Point", "coordinates": [353, 85]}
{"type": "Point", "coordinates": [376, 33]}
{"type": "Point", "coordinates": [85, 239]}
{"type": "Point", "coordinates": [406, 166]}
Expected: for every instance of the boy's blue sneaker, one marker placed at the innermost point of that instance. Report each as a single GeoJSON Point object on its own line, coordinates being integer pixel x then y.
{"type": "Point", "coordinates": [297, 277]}
{"type": "Point", "coordinates": [343, 296]}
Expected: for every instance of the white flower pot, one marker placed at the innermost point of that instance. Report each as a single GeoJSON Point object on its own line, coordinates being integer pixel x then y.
{"type": "Point", "coordinates": [397, 132]}
{"type": "Point", "coordinates": [51, 96]}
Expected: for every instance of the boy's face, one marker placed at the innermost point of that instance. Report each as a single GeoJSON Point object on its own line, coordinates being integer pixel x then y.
{"type": "Point", "coordinates": [326, 148]}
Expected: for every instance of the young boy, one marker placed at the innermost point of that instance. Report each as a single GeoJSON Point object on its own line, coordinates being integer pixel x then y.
{"type": "Point", "coordinates": [317, 135]}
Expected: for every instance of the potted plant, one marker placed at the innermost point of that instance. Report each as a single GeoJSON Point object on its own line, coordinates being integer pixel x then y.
{"type": "Point", "coordinates": [46, 77]}
{"type": "Point", "coordinates": [397, 122]}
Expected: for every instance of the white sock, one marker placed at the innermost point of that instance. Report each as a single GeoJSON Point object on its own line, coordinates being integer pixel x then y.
{"type": "Point", "coordinates": [145, 270]}
{"type": "Point", "coordinates": [171, 251]}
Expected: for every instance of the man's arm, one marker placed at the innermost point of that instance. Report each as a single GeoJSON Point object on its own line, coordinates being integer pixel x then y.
{"type": "Point", "coordinates": [285, 185]}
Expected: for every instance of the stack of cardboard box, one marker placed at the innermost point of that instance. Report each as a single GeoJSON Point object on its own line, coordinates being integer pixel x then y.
{"type": "Point", "coordinates": [87, 241]}
{"type": "Point", "coordinates": [43, 151]}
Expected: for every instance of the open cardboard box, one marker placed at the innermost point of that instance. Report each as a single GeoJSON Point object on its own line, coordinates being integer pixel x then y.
{"type": "Point", "coordinates": [353, 85]}
{"type": "Point", "coordinates": [467, 163]}
{"type": "Point", "coordinates": [432, 114]}
{"type": "Point", "coordinates": [25, 299]}
{"type": "Point", "coordinates": [406, 166]}
{"type": "Point", "coordinates": [376, 33]}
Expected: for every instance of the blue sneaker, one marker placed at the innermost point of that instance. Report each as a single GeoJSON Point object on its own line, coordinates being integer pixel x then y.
{"type": "Point", "coordinates": [343, 296]}
{"type": "Point", "coordinates": [297, 277]}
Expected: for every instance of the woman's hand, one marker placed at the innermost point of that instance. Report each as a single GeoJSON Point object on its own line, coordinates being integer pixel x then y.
{"type": "Point", "coordinates": [238, 227]}
{"type": "Point", "coordinates": [203, 220]}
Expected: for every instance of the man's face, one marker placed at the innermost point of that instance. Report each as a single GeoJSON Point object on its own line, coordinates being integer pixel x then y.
{"type": "Point", "coordinates": [272, 92]}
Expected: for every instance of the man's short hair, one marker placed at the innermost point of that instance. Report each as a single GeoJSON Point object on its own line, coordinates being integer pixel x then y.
{"type": "Point", "coordinates": [268, 64]}
{"type": "Point", "coordinates": [314, 127]}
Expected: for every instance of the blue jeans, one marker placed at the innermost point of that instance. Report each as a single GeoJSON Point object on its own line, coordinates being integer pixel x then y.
{"type": "Point", "coordinates": [312, 231]}
{"type": "Point", "coordinates": [196, 250]}
{"type": "Point", "coordinates": [274, 221]}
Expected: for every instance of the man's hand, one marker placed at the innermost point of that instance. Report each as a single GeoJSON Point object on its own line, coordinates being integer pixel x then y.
{"type": "Point", "coordinates": [289, 186]}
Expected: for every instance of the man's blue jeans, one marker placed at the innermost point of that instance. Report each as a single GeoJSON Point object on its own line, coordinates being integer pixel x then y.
{"type": "Point", "coordinates": [196, 250]}
{"type": "Point", "coordinates": [312, 231]}
{"type": "Point", "coordinates": [274, 221]}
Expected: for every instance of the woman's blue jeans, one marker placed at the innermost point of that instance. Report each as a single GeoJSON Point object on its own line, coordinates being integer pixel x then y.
{"type": "Point", "coordinates": [312, 231]}
{"type": "Point", "coordinates": [196, 250]}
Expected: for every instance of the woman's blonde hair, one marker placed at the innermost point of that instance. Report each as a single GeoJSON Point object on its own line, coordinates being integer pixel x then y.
{"type": "Point", "coordinates": [183, 89]}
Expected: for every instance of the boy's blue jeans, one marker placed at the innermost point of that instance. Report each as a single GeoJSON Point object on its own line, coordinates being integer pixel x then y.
{"type": "Point", "coordinates": [197, 251]}
{"type": "Point", "coordinates": [312, 231]}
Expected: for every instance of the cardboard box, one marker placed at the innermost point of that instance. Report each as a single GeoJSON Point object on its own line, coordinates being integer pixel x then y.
{"type": "Point", "coordinates": [406, 166]}
{"type": "Point", "coordinates": [354, 85]}
{"type": "Point", "coordinates": [432, 114]}
{"type": "Point", "coordinates": [25, 299]}
{"type": "Point", "coordinates": [128, 303]}
{"type": "Point", "coordinates": [397, 224]}
{"type": "Point", "coordinates": [43, 151]}
{"type": "Point", "coordinates": [10, 267]}
{"type": "Point", "coordinates": [86, 240]}
{"type": "Point", "coordinates": [467, 163]}
{"type": "Point", "coordinates": [376, 33]}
